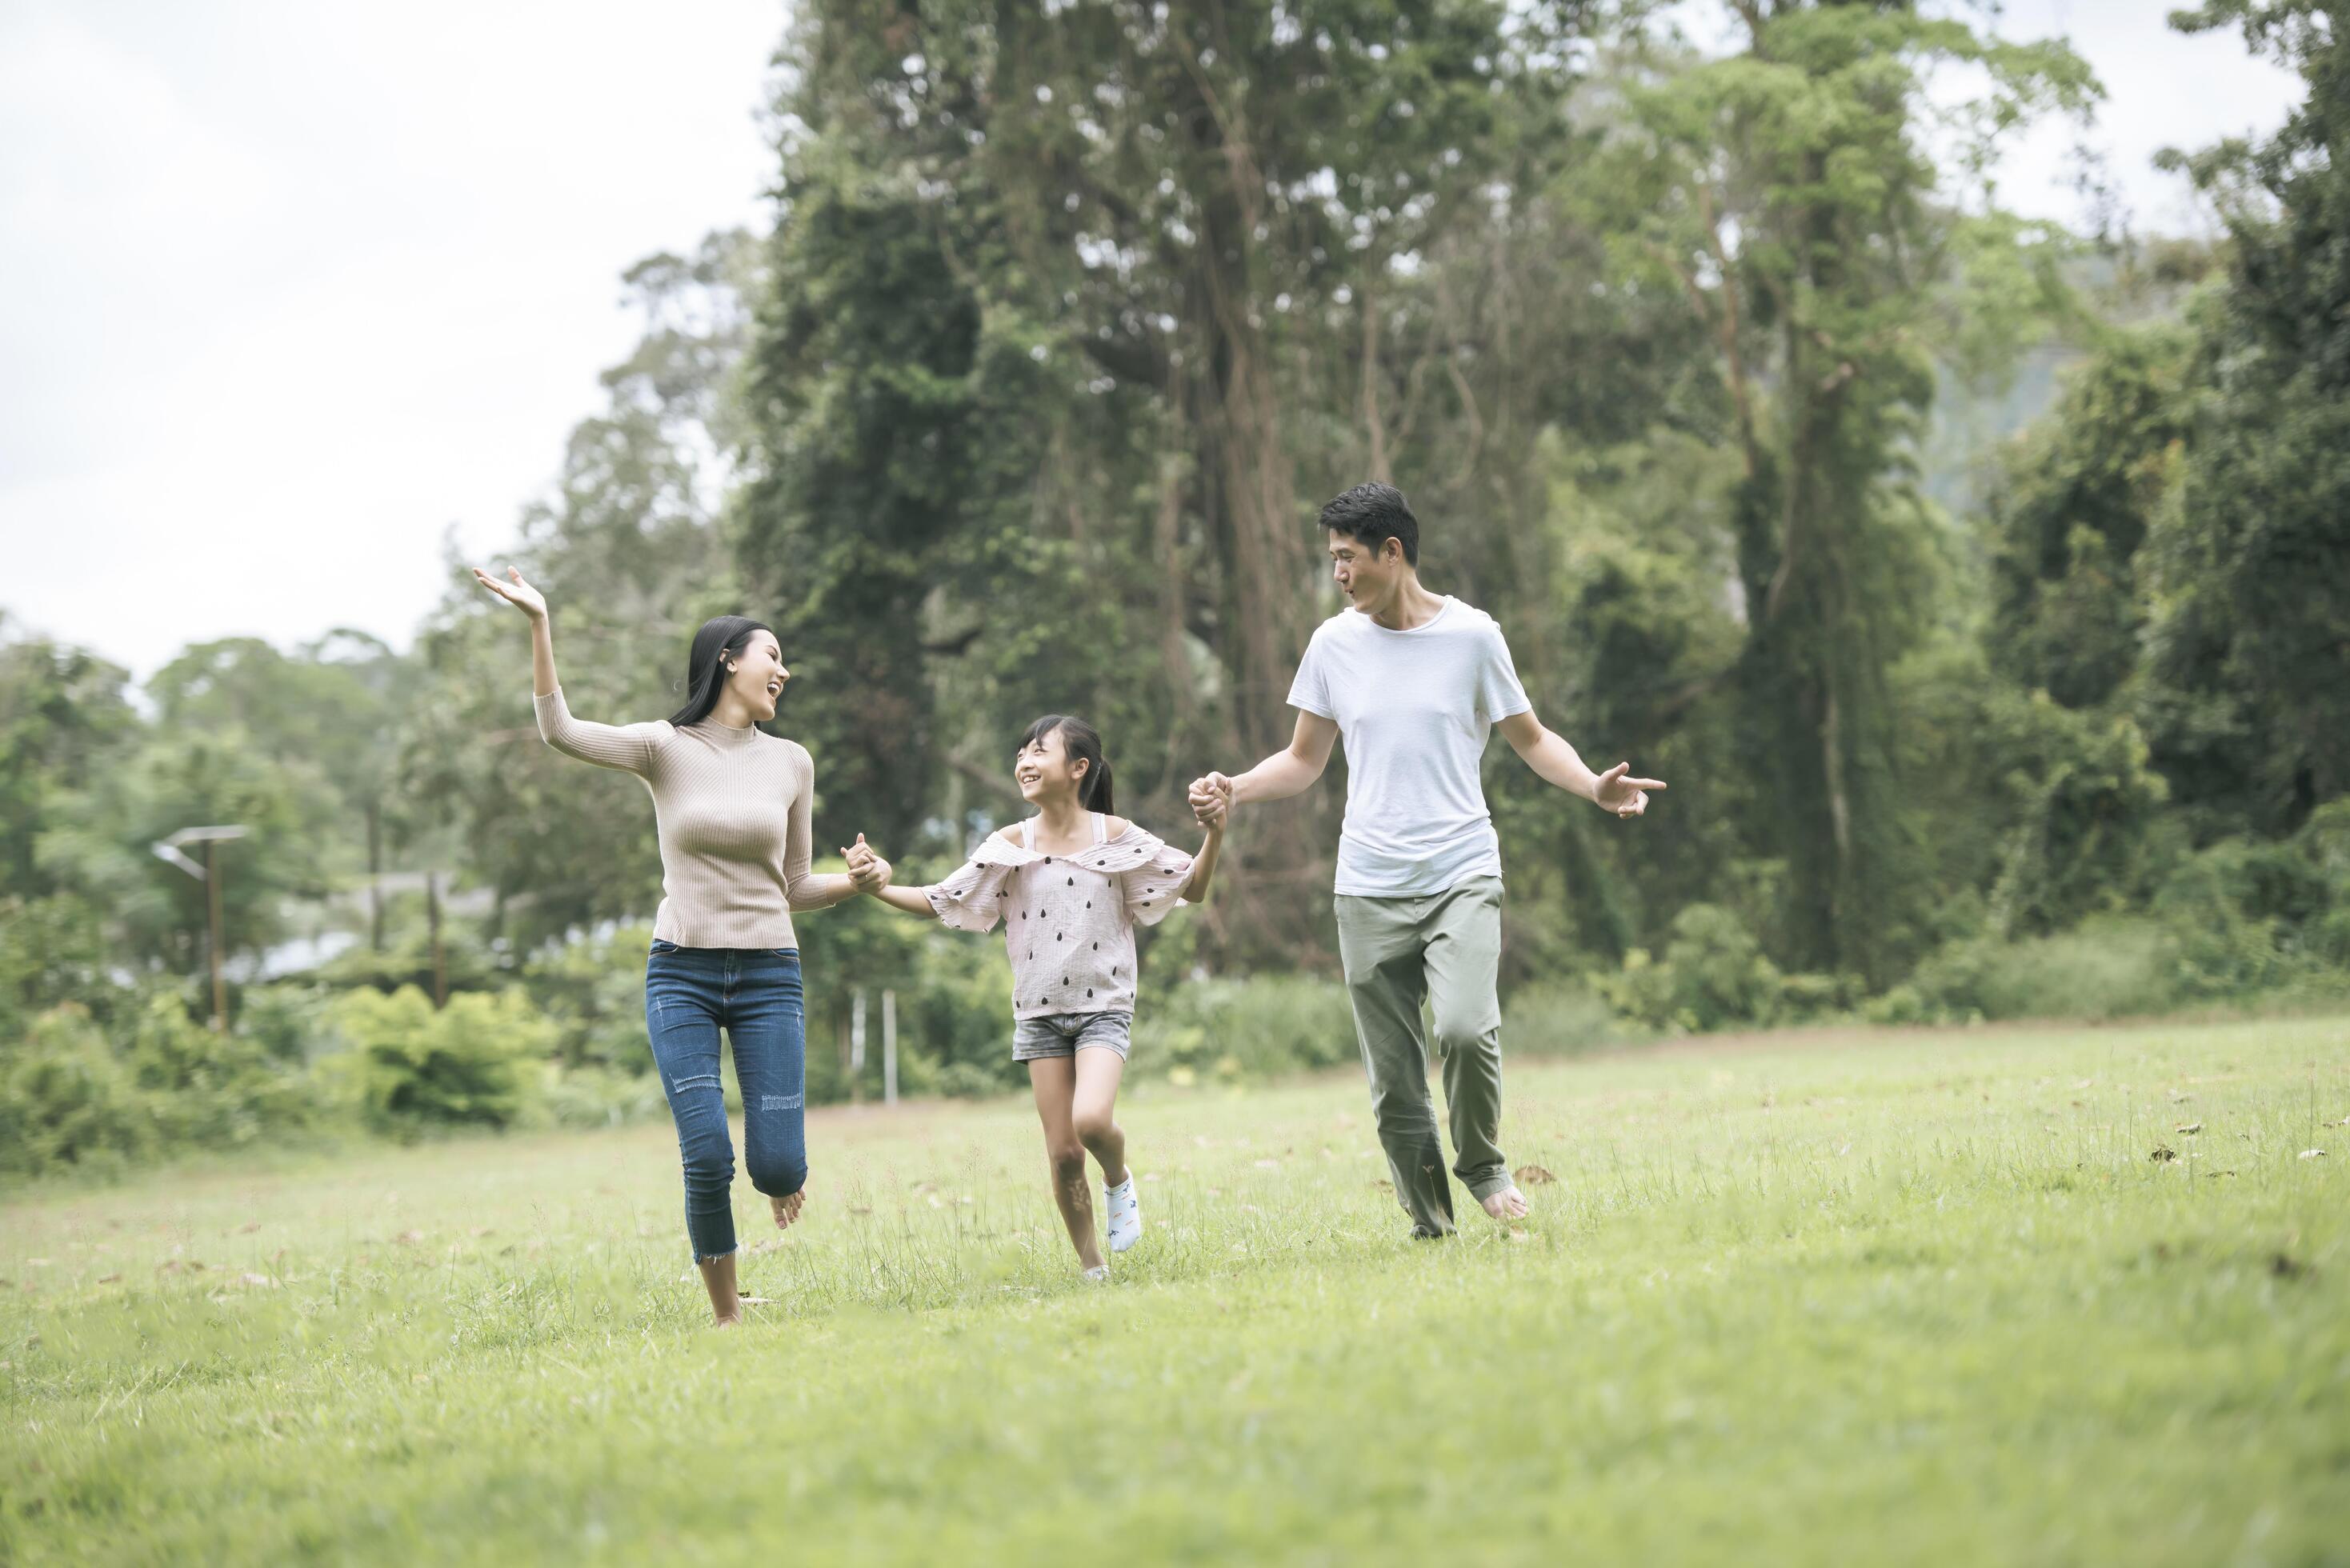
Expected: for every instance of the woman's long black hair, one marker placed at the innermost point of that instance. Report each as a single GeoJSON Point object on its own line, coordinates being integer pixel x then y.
{"type": "Point", "coordinates": [705, 670]}
{"type": "Point", "coordinates": [1079, 739]}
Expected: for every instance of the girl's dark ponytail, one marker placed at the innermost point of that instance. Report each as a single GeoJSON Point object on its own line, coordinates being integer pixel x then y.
{"type": "Point", "coordinates": [1096, 793]}
{"type": "Point", "coordinates": [1082, 743]}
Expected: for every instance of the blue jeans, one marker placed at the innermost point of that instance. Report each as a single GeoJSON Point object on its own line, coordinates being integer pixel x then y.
{"type": "Point", "coordinates": [754, 995]}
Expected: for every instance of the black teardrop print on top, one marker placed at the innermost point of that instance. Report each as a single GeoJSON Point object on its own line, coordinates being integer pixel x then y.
{"type": "Point", "coordinates": [1097, 947]}
{"type": "Point", "coordinates": [1073, 881]}
{"type": "Point", "coordinates": [1090, 990]}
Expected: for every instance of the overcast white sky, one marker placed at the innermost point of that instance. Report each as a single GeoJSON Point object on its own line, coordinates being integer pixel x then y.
{"type": "Point", "coordinates": [293, 289]}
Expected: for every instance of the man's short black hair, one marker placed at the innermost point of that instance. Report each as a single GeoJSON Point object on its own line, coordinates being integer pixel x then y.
{"type": "Point", "coordinates": [1375, 514]}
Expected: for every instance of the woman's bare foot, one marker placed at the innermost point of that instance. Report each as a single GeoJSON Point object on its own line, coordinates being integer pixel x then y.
{"type": "Point", "coordinates": [1507, 1204]}
{"type": "Point", "coordinates": [787, 1208]}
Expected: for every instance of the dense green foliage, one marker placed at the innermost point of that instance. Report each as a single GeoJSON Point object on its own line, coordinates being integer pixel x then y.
{"type": "Point", "coordinates": [1068, 318]}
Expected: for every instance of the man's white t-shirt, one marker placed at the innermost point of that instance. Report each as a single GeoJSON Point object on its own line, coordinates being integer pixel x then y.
{"type": "Point", "coordinates": [1414, 709]}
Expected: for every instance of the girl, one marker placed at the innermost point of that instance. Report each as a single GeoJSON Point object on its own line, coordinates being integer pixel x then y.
{"type": "Point", "coordinates": [1070, 884]}
{"type": "Point", "coordinates": [731, 807]}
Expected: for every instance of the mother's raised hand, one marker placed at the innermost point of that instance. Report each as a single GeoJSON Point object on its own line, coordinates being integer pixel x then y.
{"type": "Point", "coordinates": [515, 591]}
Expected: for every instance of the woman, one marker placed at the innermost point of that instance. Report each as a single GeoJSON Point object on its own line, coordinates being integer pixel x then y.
{"type": "Point", "coordinates": [731, 807]}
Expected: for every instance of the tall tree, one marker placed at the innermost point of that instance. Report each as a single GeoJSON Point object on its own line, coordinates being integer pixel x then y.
{"type": "Point", "coordinates": [2249, 700]}
{"type": "Point", "coordinates": [1789, 192]}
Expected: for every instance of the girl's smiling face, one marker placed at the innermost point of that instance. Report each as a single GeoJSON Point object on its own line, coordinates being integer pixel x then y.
{"type": "Point", "coordinates": [1044, 772]}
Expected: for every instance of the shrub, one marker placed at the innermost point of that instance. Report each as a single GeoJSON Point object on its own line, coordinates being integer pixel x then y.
{"type": "Point", "coordinates": [207, 1088]}
{"type": "Point", "coordinates": [66, 1099]}
{"type": "Point", "coordinates": [594, 1096]}
{"type": "Point", "coordinates": [1556, 1020]}
{"type": "Point", "coordinates": [2110, 967]}
{"type": "Point", "coordinates": [1235, 1029]}
{"type": "Point", "coordinates": [1714, 976]}
{"type": "Point", "coordinates": [465, 1064]}
{"type": "Point", "coordinates": [593, 993]}
{"type": "Point", "coordinates": [290, 1024]}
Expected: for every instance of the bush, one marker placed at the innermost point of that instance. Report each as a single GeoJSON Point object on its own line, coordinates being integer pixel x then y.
{"type": "Point", "coordinates": [465, 1066]}
{"type": "Point", "coordinates": [290, 1024]}
{"type": "Point", "coordinates": [1233, 1029]}
{"type": "Point", "coordinates": [1715, 976]}
{"type": "Point", "coordinates": [207, 1088]}
{"type": "Point", "coordinates": [66, 1099]}
{"type": "Point", "coordinates": [1557, 1020]}
{"type": "Point", "coordinates": [595, 1096]}
{"type": "Point", "coordinates": [2111, 968]}
{"type": "Point", "coordinates": [593, 993]}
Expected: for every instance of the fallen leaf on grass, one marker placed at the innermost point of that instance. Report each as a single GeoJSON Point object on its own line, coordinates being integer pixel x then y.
{"type": "Point", "coordinates": [1533, 1176]}
{"type": "Point", "coordinates": [2162, 1151]}
{"type": "Point", "coordinates": [1383, 1181]}
{"type": "Point", "coordinates": [758, 1301]}
{"type": "Point", "coordinates": [249, 1227]}
{"type": "Point", "coordinates": [408, 1237]}
{"type": "Point", "coordinates": [107, 1279]}
{"type": "Point", "coordinates": [168, 1266]}
{"type": "Point", "coordinates": [2313, 1154]}
{"type": "Point", "coordinates": [2189, 1128]}
{"type": "Point", "coordinates": [263, 1281]}
{"type": "Point", "coordinates": [2285, 1266]}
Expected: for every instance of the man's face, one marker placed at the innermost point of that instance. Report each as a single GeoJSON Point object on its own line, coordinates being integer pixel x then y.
{"type": "Point", "coordinates": [1364, 574]}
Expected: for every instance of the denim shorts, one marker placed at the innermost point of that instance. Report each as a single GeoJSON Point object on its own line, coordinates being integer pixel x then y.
{"type": "Point", "coordinates": [1067, 1033]}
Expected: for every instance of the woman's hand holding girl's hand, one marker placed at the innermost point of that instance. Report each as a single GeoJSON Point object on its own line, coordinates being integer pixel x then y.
{"type": "Point", "coordinates": [515, 591]}
{"type": "Point", "coordinates": [868, 872]}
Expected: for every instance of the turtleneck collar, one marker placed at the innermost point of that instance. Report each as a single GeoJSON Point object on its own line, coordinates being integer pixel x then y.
{"type": "Point", "coordinates": [727, 734]}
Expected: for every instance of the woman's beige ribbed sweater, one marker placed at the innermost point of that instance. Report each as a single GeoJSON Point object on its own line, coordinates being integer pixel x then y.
{"type": "Point", "coordinates": [732, 809]}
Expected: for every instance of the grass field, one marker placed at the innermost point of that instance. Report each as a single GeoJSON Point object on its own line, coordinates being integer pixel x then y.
{"type": "Point", "coordinates": [1899, 1297]}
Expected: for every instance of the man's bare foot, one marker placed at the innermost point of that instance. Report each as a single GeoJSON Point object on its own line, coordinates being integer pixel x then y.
{"type": "Point", "coordinates": [787, 1208]}
{"type": "Point", "coordinates": [733, 1321]}
{"type": "Point", "coordinates": [1507, 1204]}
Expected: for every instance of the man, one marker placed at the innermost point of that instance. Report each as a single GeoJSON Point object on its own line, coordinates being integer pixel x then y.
{"type": "Point", "coordinates": [1415, 680]}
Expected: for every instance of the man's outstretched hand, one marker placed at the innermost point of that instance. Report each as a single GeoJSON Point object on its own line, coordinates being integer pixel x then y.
{"type": "Point", "coordinates": [1624, 796]}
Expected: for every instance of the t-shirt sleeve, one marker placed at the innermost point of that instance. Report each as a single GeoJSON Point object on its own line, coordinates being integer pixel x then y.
{"type": "Point", "coordinates": [1499, 695]}
{"type": "Point", "coordinates": [1311, 690]}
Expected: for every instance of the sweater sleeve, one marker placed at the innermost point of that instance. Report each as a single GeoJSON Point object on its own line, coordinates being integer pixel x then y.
{"type": "Point", "coordinates": [627, 747]}
{"type": "Point", "coordinates": [800, 889]}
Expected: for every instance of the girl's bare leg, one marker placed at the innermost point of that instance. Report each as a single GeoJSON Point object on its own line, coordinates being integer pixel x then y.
{"type": "Point", "coordinates": [1093, 1110]}
{"type": "Point", "coordinates": [1054, 1079]}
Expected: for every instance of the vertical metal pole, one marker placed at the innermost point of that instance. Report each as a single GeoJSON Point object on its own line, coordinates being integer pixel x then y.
{"type": "Point", "coordinates": [888, 1047]}
{"type": "Point", "coordinates": [857, 1046]}
{"type": "Point", "coordinates": [439, 960]}
{"type": "Point", "coordinates": [375, 876]}
{"type": "Point", "coordinates": [212, 907]}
